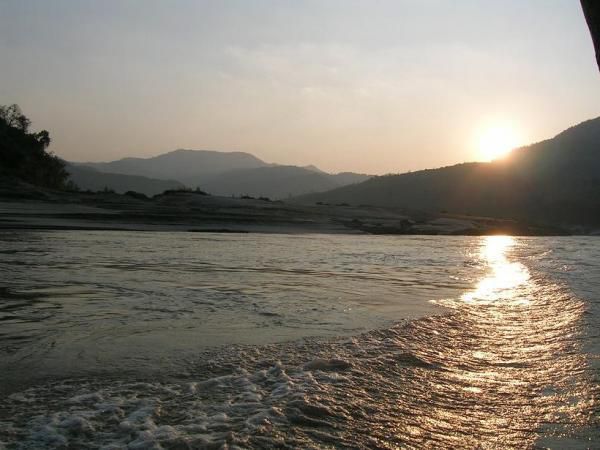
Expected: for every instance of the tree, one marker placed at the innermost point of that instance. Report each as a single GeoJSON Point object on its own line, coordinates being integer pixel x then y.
{"type": "Point", "coordinates": [43, 137]}
{"type": "Point", "coordinates": [13, 117]}
{"type": "Point", "coordinates": [23, 154]}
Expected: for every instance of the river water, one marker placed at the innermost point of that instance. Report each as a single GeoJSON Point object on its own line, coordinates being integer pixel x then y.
{"type": "Point", "coordinates": [182, 340]}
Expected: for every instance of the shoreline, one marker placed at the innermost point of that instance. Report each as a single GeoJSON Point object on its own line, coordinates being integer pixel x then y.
{"type": "Point", "coordinates": [237, 352]}
{"type": "Point", "coordinates": [190, 212]}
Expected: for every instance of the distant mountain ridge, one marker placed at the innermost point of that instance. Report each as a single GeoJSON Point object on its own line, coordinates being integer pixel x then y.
{"type": "Point", "coordinates": [88, 178]}
{"type": "Point", "coordinates": [554, 181]}
{"type": "Point", "coordinates": [273, 182]}
{"type": "Point", "coordinates": [220, 173]}
{"type": "Point", "coordinates": [181, 164]}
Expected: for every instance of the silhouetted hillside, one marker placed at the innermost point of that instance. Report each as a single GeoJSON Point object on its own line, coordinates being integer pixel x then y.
{"type": "Point", "coordinates": [87, 178]}
{"type": "Point", "coordinates": [344, 178]}
{"type": "Point", "coordinates": [24, 155]}
{"type": "Point", "coordinates": [181, 165]}
{"type": "Point", "coordinates": [275, 182]}
{"type": "Point", "coordinates": [555, 181]}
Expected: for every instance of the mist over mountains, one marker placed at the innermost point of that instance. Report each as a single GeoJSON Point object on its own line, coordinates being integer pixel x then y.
{"type": "Point", "coordinates": [554, 181]}
{"type": "Point", "coordinates": [220, 173]}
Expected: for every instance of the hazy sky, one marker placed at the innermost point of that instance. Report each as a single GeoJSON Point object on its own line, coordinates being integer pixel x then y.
{"type": "Point", "coordinates": [370, 86]}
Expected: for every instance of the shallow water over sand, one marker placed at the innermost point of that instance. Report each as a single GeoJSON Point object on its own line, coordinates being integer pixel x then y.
{"type": "Point", "coordinates": [81, 302]}
{"type": "Point", "coordinates": [504, 353]}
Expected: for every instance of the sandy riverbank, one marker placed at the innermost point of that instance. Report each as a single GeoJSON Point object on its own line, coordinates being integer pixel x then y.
{"type": "Point", "coordinates": [32, 208]}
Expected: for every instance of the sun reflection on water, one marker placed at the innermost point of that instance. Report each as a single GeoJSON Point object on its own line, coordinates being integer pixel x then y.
{"type": "Point", "coordinates": [505, 368]}
{"type": "Point", "coordinates": [505, 275]}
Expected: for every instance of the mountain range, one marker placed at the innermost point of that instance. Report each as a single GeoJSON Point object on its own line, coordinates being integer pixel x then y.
{"type": "Point", "coordinates": [219, 173]}
{"type": "Point", "coordinates": [554, 181]}
{"type": "Point", "coordinates": [89, 178]}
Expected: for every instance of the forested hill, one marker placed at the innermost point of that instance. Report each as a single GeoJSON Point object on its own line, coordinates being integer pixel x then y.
{"type": "Point", "coordinates": [556, 181]}
{"type": "Point", "coordinates": [23, 153]}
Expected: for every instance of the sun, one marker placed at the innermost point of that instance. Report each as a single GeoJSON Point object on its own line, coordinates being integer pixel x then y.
{"type": "Point", "coordinates": [496, 141]}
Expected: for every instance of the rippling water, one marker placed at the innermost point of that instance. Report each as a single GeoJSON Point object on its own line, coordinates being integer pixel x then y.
{"type": "Point", "coordinates": [117, 339]}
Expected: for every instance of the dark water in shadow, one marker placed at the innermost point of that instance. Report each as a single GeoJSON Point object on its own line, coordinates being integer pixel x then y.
{"type": "Point", "coordinates": [511, 363]}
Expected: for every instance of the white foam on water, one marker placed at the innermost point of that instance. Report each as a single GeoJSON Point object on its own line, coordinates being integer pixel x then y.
{"type": "Point", "coordinates": [502, 369]}
{"type": "Point", "coordinates": [243, 408]}
{"type": "Point", "coordinates": [274, 395]}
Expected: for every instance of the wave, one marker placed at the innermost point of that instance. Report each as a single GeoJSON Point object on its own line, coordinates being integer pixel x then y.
{"type": "Point", "coordinates": [503, 368]}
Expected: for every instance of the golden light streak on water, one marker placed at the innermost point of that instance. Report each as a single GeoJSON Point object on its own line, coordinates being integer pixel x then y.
{"type": "Point", "coordinates": [505, 276]}
{"type": "Point", "coordinates": [504, 369]}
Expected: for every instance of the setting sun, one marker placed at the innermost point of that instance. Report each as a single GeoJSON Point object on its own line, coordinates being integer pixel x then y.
{"type": "Point", "coordinates": [299, 224]}
{"type": "Point", "coordinates": [496, 141]}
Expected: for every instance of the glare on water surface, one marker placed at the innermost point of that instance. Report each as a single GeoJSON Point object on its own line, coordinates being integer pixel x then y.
{"type": "Point", "coordinates": [507, 363]}
{"type": "Point", "coordinates": [503, 367]}
{"type": "Point", "coordinates": [505, 275]}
